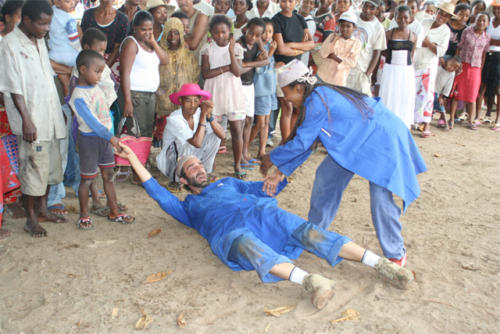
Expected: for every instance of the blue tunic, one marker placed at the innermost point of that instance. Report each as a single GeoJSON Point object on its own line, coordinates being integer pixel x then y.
{"type": "Point", "coordinates": [229, 208]}
{"type": "Point", "coordinates": [375, 144]}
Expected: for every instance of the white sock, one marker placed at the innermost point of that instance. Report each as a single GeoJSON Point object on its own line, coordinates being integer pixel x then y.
{"type": "Point", "coordinates": [297, 275]}
{"type": "Point", "coordinates": [370, 258]}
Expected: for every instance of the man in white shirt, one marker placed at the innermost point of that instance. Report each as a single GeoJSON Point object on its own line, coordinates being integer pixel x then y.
{"type": "Point", "coordinates": [371, 33]}
{"type": "Point", "coordinates": [263, 8]}
{"type": "Point", "coordinates": [190, 130]}
{"type": "Point", "coordinates": [34, 111]}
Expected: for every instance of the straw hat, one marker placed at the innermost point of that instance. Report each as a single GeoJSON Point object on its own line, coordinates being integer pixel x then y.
{"type": "Point", "coordinates": [495, 3]}
{"type": "Point", "coordinates": [155, 3]}
{"type": "Point", "coordinates": [448, 7]}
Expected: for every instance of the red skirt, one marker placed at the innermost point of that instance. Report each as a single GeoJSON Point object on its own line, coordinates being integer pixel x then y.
{"type": "Point", "coordinates": [468, 83]}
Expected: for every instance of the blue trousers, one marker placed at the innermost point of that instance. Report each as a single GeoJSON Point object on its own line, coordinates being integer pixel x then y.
{"type": "Point", "coordinates": [329, 185]}
{"type": "Point", "coordinates": [251, 253]}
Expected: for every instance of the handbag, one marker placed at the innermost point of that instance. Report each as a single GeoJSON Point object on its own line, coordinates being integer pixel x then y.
{"type": "Point", "coordinates": [130, 135]}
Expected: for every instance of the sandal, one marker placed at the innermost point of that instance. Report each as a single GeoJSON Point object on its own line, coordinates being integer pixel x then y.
{"type": "Point", "coordinates": [240, 175]}
{"type": "Point", "coordinates": [122, 218]}
{"type": "Point", "coordinates": [426, 134]}
{"type": "Point", "coordinates": [496, 127]}
{"type": "Point", "coordinates": [58, 209]}
{"type": "Point", "coordinates": [472, 126]}
{"type": "Point", "coordinates": [254, 162]}
{"type": "Point", "coordinates": [85, 223]}
{"type": "Point", "coordinates": [248, 166]}
{"type": "Point", "coordinates": [103, 211]}
{"type": "Point", "coordinates": [441, 124]}
{"type": "Point", "coordinates": [222, 150]}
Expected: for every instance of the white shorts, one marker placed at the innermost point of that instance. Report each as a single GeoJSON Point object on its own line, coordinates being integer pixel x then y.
{"type": "Point", "coordinates": [249, 96]}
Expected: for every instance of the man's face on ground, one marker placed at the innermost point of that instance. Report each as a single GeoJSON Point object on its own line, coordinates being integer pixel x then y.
{"type": "Point", "coordinates": [195, 174]}
{"type": "Point", "coordinates": [40, 27]}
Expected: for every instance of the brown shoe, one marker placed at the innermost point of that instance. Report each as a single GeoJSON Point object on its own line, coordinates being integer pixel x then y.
{"type": "Point", "coordinates": [321, 289]}
{"type": "Point", "coordinates": [399, 276]}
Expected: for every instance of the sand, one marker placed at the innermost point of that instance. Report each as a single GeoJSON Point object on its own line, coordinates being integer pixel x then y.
{"type": "Point", "coordinates": [92, 281]}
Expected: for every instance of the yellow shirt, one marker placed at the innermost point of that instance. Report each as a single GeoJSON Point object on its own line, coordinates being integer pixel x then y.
{"type": "Point", "coordinates": [348, 50]}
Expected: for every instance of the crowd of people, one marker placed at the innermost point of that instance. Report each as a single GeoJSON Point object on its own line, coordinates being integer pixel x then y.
{"type": "Point", "coordinates": [76, 75]}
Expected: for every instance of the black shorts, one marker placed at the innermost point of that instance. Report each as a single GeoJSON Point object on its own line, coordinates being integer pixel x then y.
{"type": "Point", "coordinates": [95, 153]}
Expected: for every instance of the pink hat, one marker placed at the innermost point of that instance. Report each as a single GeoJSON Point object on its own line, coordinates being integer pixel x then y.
{"type": "Point", "coordinates": [190, 89]}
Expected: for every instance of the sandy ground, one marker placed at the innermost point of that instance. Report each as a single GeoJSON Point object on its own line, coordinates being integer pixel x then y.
{"type": "Point", "coordinates": [92, 282]}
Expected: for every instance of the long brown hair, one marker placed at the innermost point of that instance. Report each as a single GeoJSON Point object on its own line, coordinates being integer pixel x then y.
{"type": "Point", "coordinates": [357, 99]}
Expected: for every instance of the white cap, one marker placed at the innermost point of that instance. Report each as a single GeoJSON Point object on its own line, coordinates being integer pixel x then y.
{"type": "Point", "coordinates": [349, 16]}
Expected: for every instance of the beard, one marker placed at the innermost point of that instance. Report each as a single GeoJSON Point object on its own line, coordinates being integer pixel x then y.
{"type": "Point", "coordinates": [192, 181]}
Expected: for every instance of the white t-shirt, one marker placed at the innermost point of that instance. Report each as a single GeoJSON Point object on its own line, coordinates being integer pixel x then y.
{"type": "Point", "coordinates": [372, 37]}
{"type": "Point", "coordinates": [271, 10]}
{"type": "Point", "coordinates": [494, 34]}
{"type": "Point", "coordinates": [444, 81]}
{"type": "Point", "coordinates": [205, 8]}
{"type": "Point", "coordinates": [440, 36]}
{"type": "Point", "coordinates": [178, 130]}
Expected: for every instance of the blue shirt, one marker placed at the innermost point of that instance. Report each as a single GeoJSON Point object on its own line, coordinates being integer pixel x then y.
{"type": "Point", "coordinates": [64, 43]}
{"type": "Point", "coordinates": [265, 78]}
{"type": "Point", "coordinates": [229, 208]}
{"type": "Point", "coordinates": [374, 144]}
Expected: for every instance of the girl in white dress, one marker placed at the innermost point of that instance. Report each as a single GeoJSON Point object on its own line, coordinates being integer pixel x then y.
{"type": "Point", "coordinates": [221, 68]}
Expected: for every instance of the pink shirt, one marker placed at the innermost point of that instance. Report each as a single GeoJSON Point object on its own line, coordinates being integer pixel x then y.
{"type": "Point", "coordinates": [472, 46]}
{"type": "Point", "coordinates": [346, 49]}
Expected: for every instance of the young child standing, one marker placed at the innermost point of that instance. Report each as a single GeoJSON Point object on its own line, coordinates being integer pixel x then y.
{"type": "Point", "coordinates": [95, 138]}
{"type": "Point", "coordinates": [252, 45]}
{"type": "Point", "coordinates": [372, 36]}
{"type": "Point", "coordinates": [339, 52]}
{"type": "Point", "coordinates": [221, 67]}
{"type": "Point", "coordinates": [64, 41]}
{"type": "Point", "coordinates": [265, 90]}
{"type": "Point", "coordinates": [305, 10]}
{"type": "Point", "coordinates": [471, 50]}
{"type": "Point", "coordinates": [457, 26]}
{"type": "Point", "coordinates": [293, 39]}
{"type": "Point", "coordinates": [240, 8]}
{"type": "Point", "coordinates": [397, 88]}
{"type": "Point", "coordinates": [444, 83]}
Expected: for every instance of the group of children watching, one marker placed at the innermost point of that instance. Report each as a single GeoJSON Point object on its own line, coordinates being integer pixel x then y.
{"type": "Point", "coordinates": [419, 58]}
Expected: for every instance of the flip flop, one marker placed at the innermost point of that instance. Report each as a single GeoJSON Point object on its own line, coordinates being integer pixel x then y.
{"type": "Point", "coordinates": [222, 150]}
{"type": "Point", "coordinates": [254, 162]}
{"type": "Point", "coordinates": [58, 209]}
{"type": "Point", "coordinates": [85, 223]}
{"type": "Point", "coordinates": [248, 166]}
{"type": "Point", "coordinates": [122, 218]}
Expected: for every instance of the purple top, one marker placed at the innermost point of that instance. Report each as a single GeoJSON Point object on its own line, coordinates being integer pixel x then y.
{"type": "Point", "coordinates": [472, 46]}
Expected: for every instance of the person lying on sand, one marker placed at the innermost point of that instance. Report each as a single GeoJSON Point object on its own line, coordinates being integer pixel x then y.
{"type": "Point", "coordinates": [248, 231]}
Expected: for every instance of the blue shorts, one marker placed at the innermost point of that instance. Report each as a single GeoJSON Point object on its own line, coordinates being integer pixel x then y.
{"type": "Point", "coordinates": [264, 105]}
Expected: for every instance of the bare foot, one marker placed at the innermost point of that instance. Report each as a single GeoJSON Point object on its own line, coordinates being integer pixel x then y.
{"type": "Point", "coordinates": [4, 234]}
{"type": "Point", "coordinates": [50, 217]}
{"type": "Point", "coordinates": [35, 230]}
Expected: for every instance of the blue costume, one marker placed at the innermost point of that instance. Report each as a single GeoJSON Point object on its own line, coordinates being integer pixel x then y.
{"type": "Point", "coordinates": [374, 144]}
{"type": "Point", "coordinates": [245, 228]}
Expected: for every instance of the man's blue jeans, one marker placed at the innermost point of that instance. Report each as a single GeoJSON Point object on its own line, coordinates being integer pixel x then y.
{"type": "Point", "coordinates": [329, 185]}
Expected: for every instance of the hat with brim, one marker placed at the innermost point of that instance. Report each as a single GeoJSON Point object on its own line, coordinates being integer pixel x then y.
{"type": "Point", "coordinates": [348, 16]}
{"type": "Point", "coordinates": [375, 3]}
{"type": "Point", "coordinates": [495, 3]}
{"type": "Point", "coordinates": [448, 8]}
{"type": "Point", "coordinates": [152, 4]}
{"type": "Point", "coordinates": [190, 89]}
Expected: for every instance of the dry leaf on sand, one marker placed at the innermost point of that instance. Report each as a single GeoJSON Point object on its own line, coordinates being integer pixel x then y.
{"type": "Point", "coordinates": [349, 314]}
{"type": "Point", "coordinates": [157, 277]}
{"type": "Point", "coordinates": [154, 233]}
{"type": "Point", "coordinates": [278, 311]}
{"type": "Point", "coordinates": [180, 320]}
{"type": "Point", "coordinates": [143, 321]}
